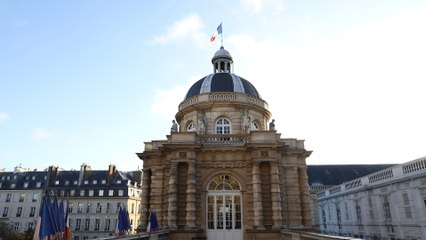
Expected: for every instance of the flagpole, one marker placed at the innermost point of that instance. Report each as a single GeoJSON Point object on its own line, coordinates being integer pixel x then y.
{"type": "Point", "coordinates": [221, 35]}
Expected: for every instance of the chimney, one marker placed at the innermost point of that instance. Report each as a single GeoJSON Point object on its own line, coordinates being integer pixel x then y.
{"type": "Point", "coordinates": [111, 171]}
{"type": "Point", "coordinates": [51, 175]}
{"type": "Point", "coordinates": [84, 172]}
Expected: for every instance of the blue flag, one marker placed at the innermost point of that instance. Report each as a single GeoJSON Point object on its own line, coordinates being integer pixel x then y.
{"type": "Point", "coordinates": [46, 226]}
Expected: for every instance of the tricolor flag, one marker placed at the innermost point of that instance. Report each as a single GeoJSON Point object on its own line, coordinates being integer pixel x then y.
{"type": "Point", "coordinates": [216, 33]}
{"type": "Point", "coordinates": [67, 230]}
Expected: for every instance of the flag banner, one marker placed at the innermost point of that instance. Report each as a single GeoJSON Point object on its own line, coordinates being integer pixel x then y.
{"type": "Point", "coordinates": [216, 33]}
{"type": "Point", "coordinates": [67, 231]}
{"type": "Point", "coordinates": [153, 223]}
{"type": "Point", "coordinates": [123, 222]}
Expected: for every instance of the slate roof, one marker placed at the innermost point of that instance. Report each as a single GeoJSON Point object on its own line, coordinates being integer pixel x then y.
{"type": "Point", "coordinates": [328, 175]}
{"type": "Point", "coordinates": [222, 82]}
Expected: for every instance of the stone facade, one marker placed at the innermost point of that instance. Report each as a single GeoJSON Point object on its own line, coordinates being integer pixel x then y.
{"type": "Point", "coordinates": [389, 204]}
{"type": "Point", "coordinates": [226, 174]}
{"type": "Point", "coordinates": [93, 197]}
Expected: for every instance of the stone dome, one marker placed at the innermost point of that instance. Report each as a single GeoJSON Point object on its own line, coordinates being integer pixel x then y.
{"type": "Point", "coordinates": [222, 79]}
{"type": "Point", "coordinates": [222, 82]}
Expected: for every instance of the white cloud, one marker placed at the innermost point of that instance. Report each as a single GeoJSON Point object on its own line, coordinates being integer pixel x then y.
{"type": "Point", "coordinates": [362, 88]}
{"type": "Point", "coordinates": [41, 134]}
{"type": "Point", "coordinates": [4, 116]}
{"type": "Point", "coordinates": [187, 28]}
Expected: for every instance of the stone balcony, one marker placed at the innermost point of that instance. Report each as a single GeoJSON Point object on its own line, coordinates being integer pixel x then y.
{"type": "Point", "coordinates": [223, 97]}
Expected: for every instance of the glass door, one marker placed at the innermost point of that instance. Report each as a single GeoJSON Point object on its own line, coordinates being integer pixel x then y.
{"type": "Point", "coordinates": [224, 219]}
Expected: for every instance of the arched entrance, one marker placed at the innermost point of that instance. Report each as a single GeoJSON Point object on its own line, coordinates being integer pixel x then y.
{"type": "Point", "coordinates": [224, 216]}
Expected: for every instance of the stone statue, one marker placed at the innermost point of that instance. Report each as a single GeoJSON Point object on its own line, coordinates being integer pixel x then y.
{"type": "Point", "coordinates": [201, 125]}
{"type": "Point", "coordinates": [174, 127]}
{"type": "Point", "coordinates": [272, 125]}
{"type": "Point", "coordinates": [245, 123]}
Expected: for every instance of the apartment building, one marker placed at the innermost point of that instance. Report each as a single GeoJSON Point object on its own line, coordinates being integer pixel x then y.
{"type": "Point", "coordinates": [93, 197]}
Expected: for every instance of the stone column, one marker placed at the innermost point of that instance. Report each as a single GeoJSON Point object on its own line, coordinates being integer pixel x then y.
{"type": "Point", "coordinates": [171, 216]}
{"type": "Point", "coordinates": [145, 197]}
{"type": "Point", "coordinates": [257, 197]}
{"type": "Point", "coordinates": [276, 197]}
{"type": "Point", "coordinates": [304, 196]}
{"type": "Point", "coordinates": [190, 197]}
{"type": "Point", "coordinates": [156, 197]}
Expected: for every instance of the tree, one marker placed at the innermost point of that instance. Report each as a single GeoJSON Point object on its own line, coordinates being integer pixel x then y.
{"type": "Point", "coordinates": [7, 230]}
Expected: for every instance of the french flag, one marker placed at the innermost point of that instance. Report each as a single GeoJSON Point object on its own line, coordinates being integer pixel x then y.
{"type": "Point", "coordinates": [216, 33]}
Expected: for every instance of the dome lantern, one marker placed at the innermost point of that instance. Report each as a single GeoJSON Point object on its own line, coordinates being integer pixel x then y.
{"type": "Point", "coordinates": [222, 61]}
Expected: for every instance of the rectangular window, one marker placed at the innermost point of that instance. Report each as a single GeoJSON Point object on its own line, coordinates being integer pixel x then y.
{"type": "Point", "coordinates": [133, 208]}
{"type": "Point", "coordinates": [77, 224]}
{"type": "Point", "coordinates": [22, 197]}
{"type": "Point", "coordinates": [107, 224]}
{"type": "Point", "coordinates": [386, 208]}
{"type": "Point", "coordinates": [70, 207]}
{"type": "Point", "coordinates": [67, 182]}
{"type": "Point", "coordinates": [16, 225]}
{"type": "Point", "coordinates": [120, 193]}
{"type": "Point", "coordinates": [35, 197]}
{"type": "Point", "coordinates": [358, 211]}
{"type": "Point", "coordinates": [5, 211]}
{"type": "Point", "coordinates": [118, 207]}
{"type": "Point", "coordinates": [88, 208]}
{"type": "Point", "coordinates": [86, 182]}
{"type": "Point", "coordinates": [101, 193]}
{"type": "Point", "coordinates": [370, 206]}
{"type": "Point", "coordinates": [111, 193]}
{"type": "Point", "coordinates": [408, 213]}
{"type": "Point", "coordinates": [13, 185]}
{"type": "Point", "coordinates": [80, 208]}
{"type": "Point", "coordinates": [25, 184]}
{"type": "Point", "coordinates": [32, 211]}
{"type": "Point", "coordinates": [81, 193]}
{"type": "Point", "coordinates": [97, 224]}
{"type": "Point", "coordinates": [95, 181]}
{"type": "Point", "coordinates": [87, 225]}
{"type": "Point", "coordinates": [72, 193]}
{"type": "Point", "coordinates": [57, 182]}
{"type": "Point", "coordinates": [38, 185]}
{"type": "Point", "coordinates": [108, 206]}
{"type": "Point", "coordinates": [98, 207]}
{"type": "Point", "coordinates": [407, 207]}
{"type": "Point", "coordinates": [91, 193]}
{"type": "Point", "coordinates": [30, 225]}
{"type": "Point", "coordinates": [405, 197]}
{"type": "Point", "coordinates": [19, 212]}
{"type": "Point", "coordinates": [8, 197]}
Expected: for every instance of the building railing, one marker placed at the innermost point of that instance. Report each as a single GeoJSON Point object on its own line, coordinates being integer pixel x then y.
{"type": "Point", "coordinates": [411, 168]}
{"type": "Point", "coordinates": [161, 234]}
{"type": "Point", "coordinates": [222, 97]}
{"type": "Point", "coordinates": [224, 139]}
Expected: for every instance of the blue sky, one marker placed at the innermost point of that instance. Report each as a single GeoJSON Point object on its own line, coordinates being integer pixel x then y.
{"type": "Point", "coordinates": [91, 81]}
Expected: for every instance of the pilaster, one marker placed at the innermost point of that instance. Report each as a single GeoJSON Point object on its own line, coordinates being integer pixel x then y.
{"type": "Point", "coordinates": [257, 197]}
{"type": "Point", "coordinates": [190, 196]}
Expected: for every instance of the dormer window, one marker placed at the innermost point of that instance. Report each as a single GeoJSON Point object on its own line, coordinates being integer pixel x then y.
{"type": "Point", "coordinates": [254, 126]}
{"type": "Point", "coordinates": [191, 127]}
{"type": "Point", "coordinates": [223, 126]}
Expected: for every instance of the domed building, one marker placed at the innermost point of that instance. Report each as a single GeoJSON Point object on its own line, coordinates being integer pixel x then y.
{"type": "Point", "coordinates": [224, 172]}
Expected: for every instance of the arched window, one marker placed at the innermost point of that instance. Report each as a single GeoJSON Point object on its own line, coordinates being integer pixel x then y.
{"type": "Point", "coordinates": [254, 126]}
{"type": "Point", "coordinates": [223, 182]}
{"type": "Point", "coordinates": [191, 127]}
{"type": "Point", "coordinates": [223, 126]}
